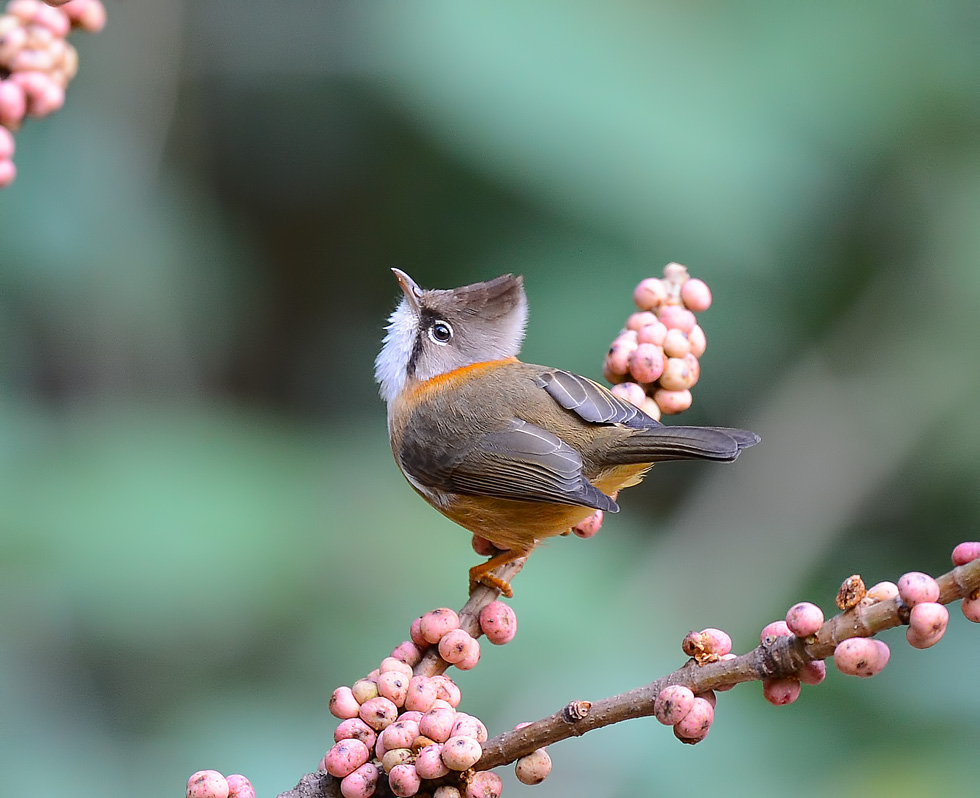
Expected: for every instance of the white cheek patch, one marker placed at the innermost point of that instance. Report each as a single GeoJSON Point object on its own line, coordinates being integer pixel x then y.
{"type": "Point", "coordinates": [392, 361]}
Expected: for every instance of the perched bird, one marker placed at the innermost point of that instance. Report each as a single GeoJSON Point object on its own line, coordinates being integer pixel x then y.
{"type": "Point", "coordinates": [513, 452]}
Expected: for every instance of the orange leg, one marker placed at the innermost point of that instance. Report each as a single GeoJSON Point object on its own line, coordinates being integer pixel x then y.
{"type": "Point", "coordinates": [480, 574]}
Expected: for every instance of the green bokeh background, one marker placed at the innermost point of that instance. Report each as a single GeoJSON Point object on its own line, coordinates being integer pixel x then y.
{"type": "Point", "coordinates": [201, 528]}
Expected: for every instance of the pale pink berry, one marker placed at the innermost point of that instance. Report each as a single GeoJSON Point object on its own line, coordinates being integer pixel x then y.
{"type": "Point", "coordinates": [617, 363]}
{"type": "Point", "coordinates": [646, 363]}
{"type": "Point", "coordinates": [916, 588]}
{"type": "Point", "coordinates": [651, 408]}
{"type": "Point", "coordinates": [655, 334]}
{"type": "Point", "coordinates": [400, 734]}
{"type": "Point", "coordinates": [696, 295]}
{"type": "Point", "coordinates": [422, 691]}
{"type": "Point", "coordinates": [404, 780]}
{"type": "Point", "coordinates": [672, 704]}
{"type": "Point", "coordinates": [971, 609]}
{"type": "Point", "coordinates": [698, 341]}
{"type": "Point", "coordinates": [346, 757]}
{"type": "Point", "coordinates": [437, 724]}
{"type": "Point", "coordinates": [717, 641]}
{"type": "Point", "coordinates": [927, 624]}
{"type": "Point", "coordinates": [779, 692]}
{"type": "Point", "coordinates": [677, 375]}
{"type": "Point", "coordinates": [883, 591]}
{"type": "Point", "coordinates": [378, 712]}
{"type": "Point", "coordinates": [637, 321]}
{"type": "Point", "coordinates": [533, 768]}
{"type": "Point", "coordinates": [240, 787]}
{"type": "Point", "coordinates": [448, 689]}
{"type": "Point", "coordinates": [343, 705]}
{"type": "Point", "coordinates": [484, 784]}
{"type": "Point", "coordinates": [498, 621]}
{"type": "Point", "coordinates": [676, 343]}
{"type": "Point", "coordinates": [696, 723]}
{"type": "Point", "coordinates": [429, 764]}
{"type": "Point", "coordinates": [860, 656]}
{"type": "Point", "coordinates": [813, 672]}
{"type": "Point", "coordinates": [53, 20]}
{"type": "Point", "coordinates": [416, 631]}
{"type": "Point", "coordinates": [436, 623]}
{"type": "Point", "coordinates": [589, 527]}
{"type": "Point", "coordinates": [13, 107]}
{"type": "Point", "coordinates": [461, 753]}
{"type": "Point", "coordinates": [650, 293]}
{"type": "Point", "coordinates": [774, 630]}
{"type": "Point", "coordinates": [408, 652]}
{"type": "Point", "coordinates": [8, 173]}
{"type": "Point", "coordinates": [481, 546]}
{"type": "Point", "coordinates": [674, 317]}
{"type": "Point", "coordinates": [355, 729]}
{"type": "Point", "coordinates": [631, 392]}
{"type": "Point", "coordinates": [364, 689]}
{"type": "Point", "coordinates": [446, 791]}
{"type": "Point", "coordinates": [361, 783]}
{"type": "Point", "coordinates": [207, 783]}
{"type": "Point", "coordinates": [393, 664]}
{"type": "Point", "coordinates": [394, 686]}
{"type": "Point", "coordinates": [458, 647]}
{"type": "Point", "coordinates": [25, 10]}
{"type": "Point", "coordinates": [88, 15]}
{"type": "Point", "coordinates": [673, 401]}
{"type": "Point", "coordinates": [469, 726]}
{"type": "Point", "coordinates": [966, 552]}
{"type": "Point", "coordinates": [804, 619]}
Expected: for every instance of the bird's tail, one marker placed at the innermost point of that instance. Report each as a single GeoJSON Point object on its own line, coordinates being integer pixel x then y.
{"type": "Point", "coordinates": [660, 443]}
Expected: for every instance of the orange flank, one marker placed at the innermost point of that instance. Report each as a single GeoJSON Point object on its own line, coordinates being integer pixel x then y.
{"type": "Point", "coordinates": [457, 375]}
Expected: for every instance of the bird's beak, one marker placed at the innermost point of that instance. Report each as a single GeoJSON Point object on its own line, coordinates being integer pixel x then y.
{"type": "Point", "coordinates": [410, 288]}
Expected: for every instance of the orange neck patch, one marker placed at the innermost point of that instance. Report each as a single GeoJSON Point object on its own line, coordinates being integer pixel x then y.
{"type": "Point", "coordinates": [421, 388]}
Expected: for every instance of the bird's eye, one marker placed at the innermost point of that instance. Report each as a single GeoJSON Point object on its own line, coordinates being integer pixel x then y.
{"type": "Point", "coordinates": [440, 332]}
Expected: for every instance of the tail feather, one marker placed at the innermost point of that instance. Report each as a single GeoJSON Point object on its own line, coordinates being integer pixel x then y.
{"type": "Point", "coordinates": [657, 444]}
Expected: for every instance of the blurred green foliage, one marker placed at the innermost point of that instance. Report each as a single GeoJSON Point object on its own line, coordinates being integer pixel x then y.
{"type": "Point", "coordinates": [201, 529]}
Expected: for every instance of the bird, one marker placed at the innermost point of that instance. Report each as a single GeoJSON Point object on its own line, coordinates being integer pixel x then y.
{"type": "Point", "coordinates": [513, 452]}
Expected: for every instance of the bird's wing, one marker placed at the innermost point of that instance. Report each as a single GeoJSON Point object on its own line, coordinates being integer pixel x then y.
{"type": "Point", "coordinates": [591, 401]}
{"type": "Point", "coordinates": [521, 462]}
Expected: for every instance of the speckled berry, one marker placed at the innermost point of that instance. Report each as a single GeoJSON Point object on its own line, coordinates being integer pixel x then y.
{"type": "Point", "coordinates": [343, 705]}
{"type": "Point", "coordinates": [647, 363]}
{"type": "Point", "coordinates": [355, 729]}
{"type": "Point", "coordinates": [859, 656]}
{"type": "Point", "coordinates": [408, 652]}
{"type": "Point", "coordinates": [966, 552]}
{"type": "Point", "coordinates": [804, 619]}
{"type": "Point", "coordinates": [378, 712]}
{"type": "Point", "coordinates": [672, 704]}
{"type": "Point", "coordinates": [428, 762]}
{"type": "Point", "coordinates": [650, 293]}
{"type": "Point", "coordinates": [813, 672]}
{"type": "Point", "coordinates": [484, 784]}
{"type": "Point", "coordinates": [927, 624]}
{"type": "Point", "coordinates": [779, 692]}
{"type": "Point", "coordinates": [437, 724]}
{"type": "Point", "coordinates": [361, 783]}
{"type": "Point", "coordinates": [917, 588]}
{"type": "Point", "coordinates": [533, 768]}
{"type": "Point", "coordinates": [207, 784]}
{"type": "Point", "coordinates": [774, 630]}
{"type": "Point", "coordinates": [240, 787]}
{"type": "Point", "coordinates": [672, 402]}
{"type": "Point", "coordinates": [393, 685]}
{"type": "Point", "coordinates": [498, 621]}
{"type": "Point", "coordinates": [346, 757]}
{"type": "Point", "coordinates": [400, 734]}
{"type": "Point", "coordinates": [631, 392]}
{"type": "Point", "coordinates": [436, 623]}
{"type": "Point", "coordinates": [696, 723]}
{"type": "Point", "coordinates": [448, 689]}
{"type": "Point", "coordinates": [404, 780]}
{"type": "Point", "coordinates": [458, 647]}
{"type": "Point", "coordinates": [461, 753]}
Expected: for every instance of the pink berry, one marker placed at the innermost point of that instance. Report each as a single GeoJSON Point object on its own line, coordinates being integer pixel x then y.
{"type": "Point", "coordinates": [698, 341]}
{"type": "Point", "coordinates": [53, 20]}
{"type": "Point", "coordinates": [448, 690]}
{"type": "Point", "coordinates": [655, 334]}
{"type": "Point", "coordinates": [804, 619]}
{"type": "Point", "coordinates": [422, 691]}
{"type": "Point", "coordinates": [206, 783]}
{"type": "Point", "coordinates": [437, 724]}
{"type": "Point", "coordinates": [404, 780]}
{"type": "Point", "coordinates": [780, 691]}
{"type": "Point", "coordinates": [774, 630]}
{"type": "Point", "coordinates": [346, 757]}
{"type": "Point", "coordinates": [499, 622]}
{"type": "Point", "coordinates": [674, 317]}
{"type": "Point", "coordinates": [646, 363]}
{"type": "Point", "coordinates": [617, 363]}
{"type": "Point", "coordinates": [813, 672]}
{"type": "Point", "coordinates": [484, 784]}
{"type": "Point", "coordinates": [966, 552]}
{"type": "Point", "coordinates": [927, 624]}
{"type": "Point", "coordinates": [355, 729]}
{"type": "Point", "coordinates": [461, 753]}
{"type": "Point", "coordinates": [717, 641]}
{"type": "Point", "coordinates": [438, 622]}
{"type": "Point", "coordinates": [883, 591]}
{"type": "Point", "coordinates": [395, 665]}
{"type": "Point", "coordinates": [587, 528]}
{"type": "Point", "coordinates": [631, 392]}
{"type": "Point", "coordinates": [240, 787]}
{"type": "Point", "coordinates": [638, 321]}
{"type": "Point", "coordinates": [408, 652]}
{"type": "Point", "coordinates": [676, 343]}
{"type": "Point", "coordinates": [469, 726]}
{"type": "Point", "coordinates": [971, 609]}
{"type": "Point", "coordinates": [916, 588]}
{"type": "Point", "coordinates": [651, 408]}
{"type": "Point", "coordinates": [378, 712]}
{"type": "Point", "coordinates": [672, 704]}
{"type": "Point", "coordinates": [697, 722]}
{"type": "Point", "coordinates": [343, 705]}
{"type": "Point", "coordinates": [13, 107]}
{"type": "Point", "coordinates": [533, 768]}
{"type": "Point", "coordinates": [416, 631]}
{"type": "Point", "coordinates": [429, 764]}
{"type": "Point", "coordinates": [361, 783]}
{"type": "Point", "coordinates": [859, 656]}
{"type": "Point", "coordinates": [673, 401]}
{"type": "Point", "coordinates": [400, 734]}
{"type": "Point", "coordinates": [650, 293]}
{"type": "Point", "coordinates": [88, 15]}
{"type": "Point", "coordinates": [459, 647]}
{"type": "Point", "coordinates": [677, 375]}
{"type": "Point", "coordinates": [394, 686]}
{"type": "Point", "coordinates": [8, 173]}
{"type": "Point", "coordinates": [696, 295]}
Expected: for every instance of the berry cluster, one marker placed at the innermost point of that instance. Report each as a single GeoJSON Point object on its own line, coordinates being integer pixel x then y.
{"type": "Point", "coordinates": [405, 725]}
{"type": "Point", "coordinates": [653, 362]}
{"type": "Point", "coordinates": [211, 784]}
{"type": "Point", "coordinates": [37, 62]}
